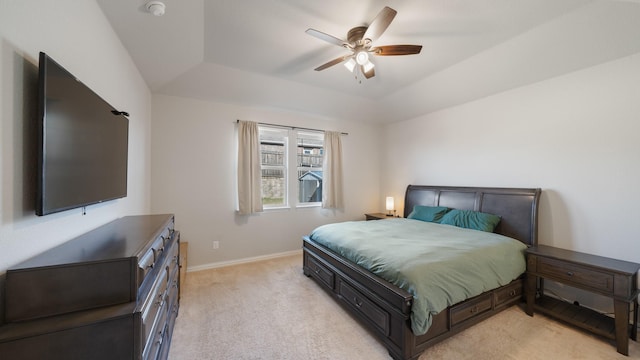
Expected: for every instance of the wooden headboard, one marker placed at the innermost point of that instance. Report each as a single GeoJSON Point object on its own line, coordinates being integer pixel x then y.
{"type": "Point", "coordinates": [518, 208]}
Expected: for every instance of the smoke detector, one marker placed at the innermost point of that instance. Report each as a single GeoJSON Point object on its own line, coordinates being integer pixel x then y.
{"type": "Point", "coordinates": [156, 8]}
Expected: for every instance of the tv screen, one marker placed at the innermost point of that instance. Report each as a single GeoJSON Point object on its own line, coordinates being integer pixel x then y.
{"type": "Point", "coordinates": [83, 143]}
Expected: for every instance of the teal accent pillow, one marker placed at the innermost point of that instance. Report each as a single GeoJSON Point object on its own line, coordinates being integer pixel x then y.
{"type": "Point", "coordinates": [428, 213]}
{"type": "Point", "coordinates": [470, 219]}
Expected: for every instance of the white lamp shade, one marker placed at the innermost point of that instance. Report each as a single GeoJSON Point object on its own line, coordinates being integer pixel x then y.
{"type": "Point", "coordinates": [351, 64]}
{"type": "Point", "coordinates": [368, 66]}
{"type": "Point", "coordinates": [390, 203]}
{"type": "Point", "coordinates": [362, 57]}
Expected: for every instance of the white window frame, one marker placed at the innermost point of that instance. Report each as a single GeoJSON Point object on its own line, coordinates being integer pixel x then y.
{"type": "Point", "coordinates": [285, 167]}
{"type": "Point", "coordinates": [318, 135]}
{"type": "Point", "coordinates": [290, 167]}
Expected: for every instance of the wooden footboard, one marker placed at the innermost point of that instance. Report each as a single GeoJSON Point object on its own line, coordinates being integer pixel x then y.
{"type": "Point", "coordinates": [385, 309]}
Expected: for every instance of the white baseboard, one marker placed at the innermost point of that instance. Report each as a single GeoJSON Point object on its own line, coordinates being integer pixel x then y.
{"type": "Point", "coordinates": [221, 264]}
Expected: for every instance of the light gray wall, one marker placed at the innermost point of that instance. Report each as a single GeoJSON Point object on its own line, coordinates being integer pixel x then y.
{"type": "Point", "coordinates": [194, 176]}
{"type": "Point", "coordinates": [77, 35]}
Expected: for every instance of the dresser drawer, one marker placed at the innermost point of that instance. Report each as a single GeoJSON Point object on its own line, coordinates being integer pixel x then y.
{"type": "Point", "coordinates": [153, 305]}
{"type": "Point", "coordinates": [151, 257]}
{"type": "Point", "coordinates": [471, 308]}
{"type": "Point", "coordinates": [167, 233]}
{"type": "Point", "coordinates": [156, 338]}
{"type": "Point", "coordinates": [575, 274]}
{"type": "Point", "coordinates": [173, 258]}
{"type": "Point", "coordinates": [364, 306]}
{"type": "Point", "coordinates": [320, 272]}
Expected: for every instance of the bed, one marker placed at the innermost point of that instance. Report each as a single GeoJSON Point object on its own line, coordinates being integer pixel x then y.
{"type": "Point", "coordinates": [385, 309]}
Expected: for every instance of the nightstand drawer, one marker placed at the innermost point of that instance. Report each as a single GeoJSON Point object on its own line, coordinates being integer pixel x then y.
{"type": "Point", "coordinates": [575, 274]}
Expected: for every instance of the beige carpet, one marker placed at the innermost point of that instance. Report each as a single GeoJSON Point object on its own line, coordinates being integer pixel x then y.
{"type": "Point", "coordinates": [270, 310]}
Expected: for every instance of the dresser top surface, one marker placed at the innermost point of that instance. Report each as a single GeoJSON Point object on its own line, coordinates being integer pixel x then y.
{"type": "Point", "coordinates": [125, 237]}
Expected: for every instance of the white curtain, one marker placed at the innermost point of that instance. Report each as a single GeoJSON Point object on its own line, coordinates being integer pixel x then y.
{"type": "Point", "coordinates": [332, 171]}
{"type": "Point", "coordinates": [249, 172]}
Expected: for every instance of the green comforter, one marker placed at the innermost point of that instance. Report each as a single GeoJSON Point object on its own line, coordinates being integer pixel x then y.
{"type": "Point", "coordinates": [439, 265]}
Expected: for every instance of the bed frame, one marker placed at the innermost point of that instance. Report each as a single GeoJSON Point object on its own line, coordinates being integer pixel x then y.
{"type": "Point", "coordinates": [385, 309]}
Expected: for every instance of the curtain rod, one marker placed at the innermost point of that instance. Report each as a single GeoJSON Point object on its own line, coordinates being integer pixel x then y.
{"type": "Point", "coordinates": [292, 127]}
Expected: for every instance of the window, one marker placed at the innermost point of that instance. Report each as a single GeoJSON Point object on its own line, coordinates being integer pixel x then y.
{"type": "Point", "coordinates": [273, 154]}
{"type": "Point", "coordinates": [309, 161]}
{"type": "Point", "coordinates": [276, 173]}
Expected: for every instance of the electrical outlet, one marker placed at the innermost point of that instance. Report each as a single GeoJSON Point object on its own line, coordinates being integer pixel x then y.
{"type": "Point", "coordinates": [216, 244]}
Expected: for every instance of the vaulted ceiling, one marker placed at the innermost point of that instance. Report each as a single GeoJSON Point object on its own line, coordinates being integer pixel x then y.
{"type": "Point", "coordinates": [256, 52]}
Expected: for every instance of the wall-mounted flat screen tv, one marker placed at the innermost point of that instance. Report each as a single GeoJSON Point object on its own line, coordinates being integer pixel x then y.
{"type": "Point", "coordinates": [83, 143]}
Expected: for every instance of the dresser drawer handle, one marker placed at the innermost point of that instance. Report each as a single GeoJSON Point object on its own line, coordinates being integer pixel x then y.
{"type": "Point", "coordinates": [474, 309]}
{"type": "Point", "coordinates": [317, 270]}
{"type": "Point", "coordinates": [512, 293]}
{"type": "Point", "coordinates": [570, 273]}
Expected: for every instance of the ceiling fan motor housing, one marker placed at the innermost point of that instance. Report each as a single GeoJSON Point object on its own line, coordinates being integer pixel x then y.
{"type": "Point", "coordinates": [354, 36]}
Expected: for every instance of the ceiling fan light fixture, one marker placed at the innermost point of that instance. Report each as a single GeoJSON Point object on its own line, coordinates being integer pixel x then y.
{"type": "Point", "coordinates": [360, 42]}
{"type": "Point", "coordinates": [350, 65]}
{"type": "Point", "coordinates": [368, 66]}
{"type": "Point", "coordinates": [362, 57]}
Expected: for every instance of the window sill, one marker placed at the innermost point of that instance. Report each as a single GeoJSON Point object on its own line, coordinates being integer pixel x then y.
{"type": "Point", "coordinates": [276, 208]}
{"type": "Point", "coordinates": [299, 206]}
{"type": "Point", "coordinates": [308, 205]}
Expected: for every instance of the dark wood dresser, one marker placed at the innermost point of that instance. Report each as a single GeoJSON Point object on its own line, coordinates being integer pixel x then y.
{"type": "Point", "coordinates": [112, 293]}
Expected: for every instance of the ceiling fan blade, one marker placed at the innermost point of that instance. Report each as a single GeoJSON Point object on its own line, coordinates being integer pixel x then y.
{"type": "Point", "coordinates": [391, 50]}
{"type": "Point", "coordinates": [333, 62]}
{"type": "Point", "coordinates": [380, 23]}
{"type": "Point", "coordinates": [326, 37]}
{"type": "Point", "coordinates": [368, 74]}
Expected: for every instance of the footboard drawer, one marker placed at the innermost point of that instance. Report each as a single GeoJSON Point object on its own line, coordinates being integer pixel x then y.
{"type": "Point", "coordinates": [471, 308]}
{"type": "Point", "coordinates": [372, 312]}
{"type": "Point", "coordinates": [508, 295]}
{"type": "Point", "coordinates": [320, 272]}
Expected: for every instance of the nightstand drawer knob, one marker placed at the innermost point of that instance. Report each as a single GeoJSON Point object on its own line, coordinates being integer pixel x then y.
{"type": "Point", "coordinates": [570, 273]}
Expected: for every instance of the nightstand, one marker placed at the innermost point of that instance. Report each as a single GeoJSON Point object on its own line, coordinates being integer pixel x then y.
{"type": "Point", "coordinates": [615, 279]}
{"type": "Point", "coordinates": [376, 216]}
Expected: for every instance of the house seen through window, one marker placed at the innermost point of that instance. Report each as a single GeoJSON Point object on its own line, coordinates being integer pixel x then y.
{"type": "Point", "coordinates": [302, 180]}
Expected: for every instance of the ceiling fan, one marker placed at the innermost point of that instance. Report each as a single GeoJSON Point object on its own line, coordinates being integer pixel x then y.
{"type": "Point", "coordinates": [360, 41]}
